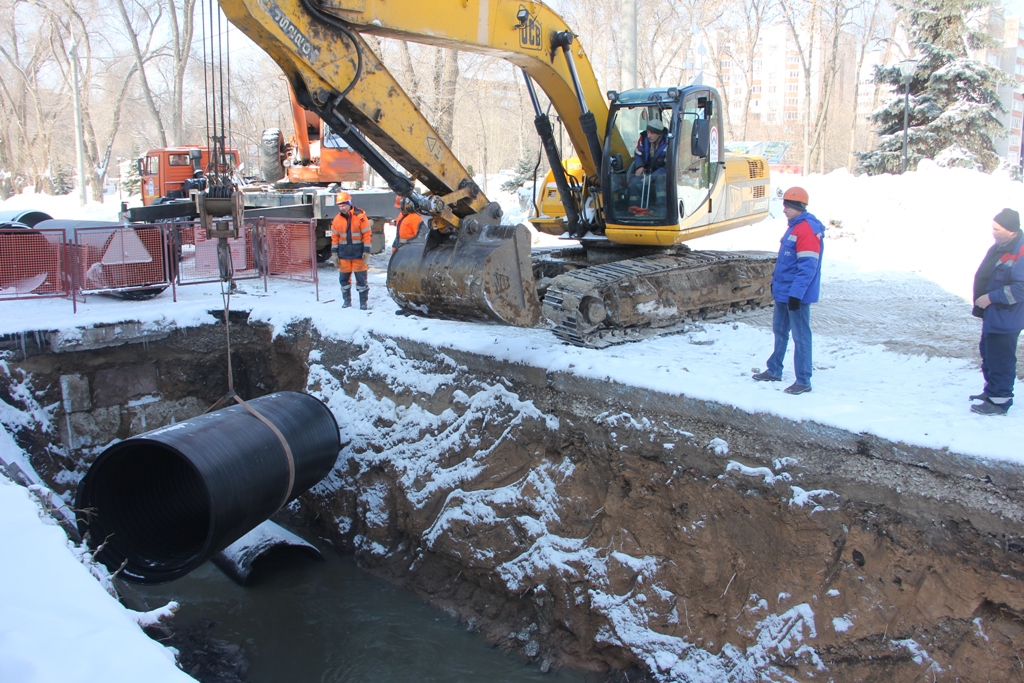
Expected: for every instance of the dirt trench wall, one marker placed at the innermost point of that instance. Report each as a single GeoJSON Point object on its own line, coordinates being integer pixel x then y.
{"type": "Point", "coordinates": [594, 525]}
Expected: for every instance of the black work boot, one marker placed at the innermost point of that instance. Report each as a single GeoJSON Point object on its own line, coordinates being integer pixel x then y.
{"type": "Point", "coordinates": [797, 388]}
{"type": "Point", "coordinates": [765, 377]}
{"type": "Point", "coordinates": [364, 297]}
{"type": "Point", "coordinates": [346, 296]}
{"type": "Point", "coordinates": [990, 407]}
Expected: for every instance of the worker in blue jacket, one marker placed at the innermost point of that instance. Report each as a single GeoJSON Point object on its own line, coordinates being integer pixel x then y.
{"type": "Point", "coordinates": [999, 302]}
{"type": "Point", "coordinates": [796, 284]}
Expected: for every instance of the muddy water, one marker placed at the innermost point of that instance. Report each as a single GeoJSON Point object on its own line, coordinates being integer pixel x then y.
{"type": "Point", "coordinates": [305, 621]}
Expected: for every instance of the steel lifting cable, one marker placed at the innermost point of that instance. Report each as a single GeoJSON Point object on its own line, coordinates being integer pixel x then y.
{"type": "Point", "coordinates": [206, 90]}
{"type": "Point", "coordinates": [218, 152]}
{"type": "Point", "coordinates": [232, 396]}
{"type": "Point", "coordinates": [211, 97]}
{"type": "Point", "coordinates": [227, 45]}
{"type": "Point", "coordinates": [220, 70]}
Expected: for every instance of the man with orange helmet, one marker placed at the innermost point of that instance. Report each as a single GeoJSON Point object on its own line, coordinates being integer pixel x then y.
{"type": "Point", "coordinates": [350, 249]}
{"type": "Point", "coordinates": [796, 284]}
{"type": "Point", "coordinates": [407, 224]}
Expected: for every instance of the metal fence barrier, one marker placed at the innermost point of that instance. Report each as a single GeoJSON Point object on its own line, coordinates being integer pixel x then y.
{"type": "Point", "coordinates": [129, 261]}
{"type": "Point", "coordinates": [32, 263]}
{"type": "Point", "coordinates": [291, 250]}
{"type": "Point", "coordinates": [195, 257]}
{"type": "Point", "coordinates": [140, 261]}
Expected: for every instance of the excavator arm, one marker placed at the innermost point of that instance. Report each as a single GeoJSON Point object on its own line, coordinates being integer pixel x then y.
{"type": "Point", "coordinates": [317, 44]}
{"type": "Point", "coordinates": [469, 266]}
{"type": "Point", "coordinates": [475, 269]}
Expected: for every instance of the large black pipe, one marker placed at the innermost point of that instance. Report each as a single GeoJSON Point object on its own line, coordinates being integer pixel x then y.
{"type": "Point", "coordinates": [164, 502]}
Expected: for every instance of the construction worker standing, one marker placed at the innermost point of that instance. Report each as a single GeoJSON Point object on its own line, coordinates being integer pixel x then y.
{"type": "Point", "coordinates": [796, 284]}
{"type": "Point", "coordinates": [350, 249]}
{"type": "Point", "coordinates": [408, 223]}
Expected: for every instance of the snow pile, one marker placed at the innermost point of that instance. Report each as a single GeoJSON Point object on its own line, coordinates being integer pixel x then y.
{"type": "Point", "coordinates": [934, 223]}
{"type": "Point", "coordinates": [777, 637]}
{"type": "Point", "coordinates": [57, 623]}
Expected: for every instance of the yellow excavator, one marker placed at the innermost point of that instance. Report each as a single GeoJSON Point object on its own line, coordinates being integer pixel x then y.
{"type": "Point", "coordinates": [633, 277]}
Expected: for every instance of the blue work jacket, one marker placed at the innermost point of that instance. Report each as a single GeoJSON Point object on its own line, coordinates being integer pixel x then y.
{"type": "Point", "coordinates": [798, 268]}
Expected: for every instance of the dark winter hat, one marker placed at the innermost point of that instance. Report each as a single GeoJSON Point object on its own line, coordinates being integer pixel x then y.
{"type": "Point", "coordinates": [1009, 219]}
{"type": "Point", "coordinates": [793, 204]}
{"type": "Point", "coordinates": [656, 126]}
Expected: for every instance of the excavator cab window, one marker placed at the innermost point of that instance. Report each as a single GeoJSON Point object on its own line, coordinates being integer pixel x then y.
{"type": "Point", "coordinates": [640, 192]}
{"type": "Point", "coordinates": [332, 139]}
{"type": "Point", "coordinates": [697, 160]}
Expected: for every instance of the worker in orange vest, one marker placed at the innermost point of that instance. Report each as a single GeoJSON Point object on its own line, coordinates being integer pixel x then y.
{"type": "Point", "coordinates": [408, 222]}
{"type": "Point", "coordinates": [350, 249]}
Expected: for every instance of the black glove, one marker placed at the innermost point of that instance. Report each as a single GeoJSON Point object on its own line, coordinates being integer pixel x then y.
{"type": "Point", "coordinates": [794, 303]}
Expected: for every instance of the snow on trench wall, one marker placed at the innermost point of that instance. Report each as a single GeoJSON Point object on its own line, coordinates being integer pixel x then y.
{"type": "Point", "coordinates": [581, 523]}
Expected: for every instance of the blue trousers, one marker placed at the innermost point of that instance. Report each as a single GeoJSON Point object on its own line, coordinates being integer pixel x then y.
{"type": "Point", "coordinates": [799, 323]}
{"type": "Point", "coordinates": [999, 363]}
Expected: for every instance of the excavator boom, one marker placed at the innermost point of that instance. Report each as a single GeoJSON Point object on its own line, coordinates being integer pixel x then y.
{"type": "Point", "coordinates": [470, 266]}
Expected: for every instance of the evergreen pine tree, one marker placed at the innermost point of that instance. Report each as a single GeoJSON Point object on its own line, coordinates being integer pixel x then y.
{"type": "Point", "coordinates": [62, 179]}
{"type": "Point", "coordinates": [953, 99]}
{"type": "Point", "coordinates": [525, 169]}
{"type": "Point", "coordinates": [131, 184]}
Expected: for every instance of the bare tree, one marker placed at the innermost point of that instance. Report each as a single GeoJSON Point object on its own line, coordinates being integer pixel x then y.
{"type": "Point", "coordinates": [181, 16]}
{"type": "Point", "coordinates": [866, 26]}
{"type": "Point", "coordinates": [412, 82]}
{"type": "Point", "coordinates": [72, 26]}
{"type": "Point", "coordinates": [446, 76]}
{"type": "Point", "coordinates": [832, 20]}
{"type": "Point", "coordinates": [801, 15]}
{"type": "Point", "coordinates": [754, 14]}
{"type": "Point", "coordinates": [28, 106]}
{"type": "Point", "coordinates": [145, 22]}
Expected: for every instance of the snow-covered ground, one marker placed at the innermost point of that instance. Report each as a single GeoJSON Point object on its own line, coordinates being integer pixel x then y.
{"type": "Point", "coordinates": [894, 340]}
{"type": "Point", "coordinates": [57, 623]}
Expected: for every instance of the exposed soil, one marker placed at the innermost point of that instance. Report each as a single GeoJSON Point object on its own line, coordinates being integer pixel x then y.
{"type": "Point", "coordinates": [583, 546]}
{"type": "Point", "coordinates": [585, 524]}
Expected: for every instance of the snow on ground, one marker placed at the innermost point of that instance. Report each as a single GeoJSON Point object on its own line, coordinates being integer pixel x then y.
{"type": "Point", "coordinates": [894, 356]}
{"type": "Point", "coordinates": [57, 623]}
{"type": "Point", "coordinates": [895, 345]}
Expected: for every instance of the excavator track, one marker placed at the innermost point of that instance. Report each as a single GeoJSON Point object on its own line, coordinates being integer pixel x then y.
{"type": "Point", "coordinates": [632, 299]}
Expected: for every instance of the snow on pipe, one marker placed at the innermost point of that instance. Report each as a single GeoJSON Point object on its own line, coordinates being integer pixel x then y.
{"type": "Point", "coordinates": [164, 502]}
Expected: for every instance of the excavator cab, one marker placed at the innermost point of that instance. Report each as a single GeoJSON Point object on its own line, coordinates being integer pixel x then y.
{"type": "Point", "coordinates": [655, 189]}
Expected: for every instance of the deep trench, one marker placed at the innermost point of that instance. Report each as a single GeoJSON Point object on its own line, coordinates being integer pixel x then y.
{"type": "Point", "coordinates": [611, 536]}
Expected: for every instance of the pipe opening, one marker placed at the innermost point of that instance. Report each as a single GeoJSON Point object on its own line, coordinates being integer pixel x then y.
{"type": "Point", "coordinates": [154, 507]}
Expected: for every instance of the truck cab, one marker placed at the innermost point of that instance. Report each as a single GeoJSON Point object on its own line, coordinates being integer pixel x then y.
{"type": "Point", "coordinates": [165, 170]}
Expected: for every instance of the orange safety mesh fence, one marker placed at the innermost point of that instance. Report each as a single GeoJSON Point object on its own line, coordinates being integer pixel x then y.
{"type": "Point", "coordinates": [32, 263]}
{"type": "Point", "coordinates": [194, 256]}
{"type": "Point", "coordinates": [291, 249]}
{"type": "Point", "coordinates": [115, 259]}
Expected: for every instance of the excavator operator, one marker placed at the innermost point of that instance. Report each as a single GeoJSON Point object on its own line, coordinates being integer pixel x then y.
{"type": "Point", "coordinates": [350, 249]}
{"type": "Point", "coordinates": [408, 223]}
{"type": "Point", "coordinates": [649, 161]}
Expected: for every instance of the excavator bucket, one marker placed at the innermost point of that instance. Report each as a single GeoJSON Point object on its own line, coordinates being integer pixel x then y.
{"type": "Point", "coordinates": [482, 273]}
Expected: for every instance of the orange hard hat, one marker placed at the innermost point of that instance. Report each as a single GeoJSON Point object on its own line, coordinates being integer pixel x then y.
{"type": "Point", "coordinates": [797, 194]}
{"type": "Point", "coordinates": [343, 197]}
